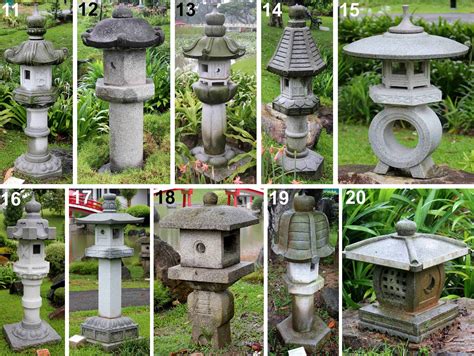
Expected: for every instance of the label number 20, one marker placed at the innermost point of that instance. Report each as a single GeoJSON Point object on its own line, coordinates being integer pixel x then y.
{"type": "Point", "coordinates": [357, 197]}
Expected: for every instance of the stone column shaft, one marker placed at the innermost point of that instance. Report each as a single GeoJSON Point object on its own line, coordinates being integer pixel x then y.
{"type": "Point", "coordinates": [31, 302]}
{"type": "Point", "coordinates": [213, 125]}
{"type": "Point", "coordinates": [303, 312]}
{"type": "Point", "coordinates": [110, 288]}
{"type": "Point", "coordinates": [296, 133]}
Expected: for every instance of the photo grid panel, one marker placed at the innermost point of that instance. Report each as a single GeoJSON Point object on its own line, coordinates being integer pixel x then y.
{"type": "Point", "coordinates": [236, 177]}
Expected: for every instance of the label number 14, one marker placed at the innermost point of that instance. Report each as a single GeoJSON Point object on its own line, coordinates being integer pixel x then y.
{"type": "Point", "coordinates": [275, 11]}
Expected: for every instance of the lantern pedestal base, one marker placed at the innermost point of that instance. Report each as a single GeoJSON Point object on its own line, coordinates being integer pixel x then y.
{"type": "Point", "coordinates": [220, 169]}
{"type": "Point", "coordinates": [45, 334]}
{"type": "Point", "coordinates": [45, 168]}
{"type": "Point", "coordinates": [413, 327]}
{"type": "Point", "coordinates": [424, 170]}
{"type": "Point", "coordinates": [311, 340]}
{"type": "Point", "coordinates": [310, 166]}
{"type": "Point", "coordinates": [109, 333]}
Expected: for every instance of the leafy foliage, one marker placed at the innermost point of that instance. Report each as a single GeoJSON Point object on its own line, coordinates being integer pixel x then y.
{"type": "Point", "coordinates": [55, 255]}
{"type": "Point", "coordinates": [7, 276]}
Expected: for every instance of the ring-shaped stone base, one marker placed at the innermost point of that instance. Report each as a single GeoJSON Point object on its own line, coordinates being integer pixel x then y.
{"type": "Point", "coordinates": [391, 153]}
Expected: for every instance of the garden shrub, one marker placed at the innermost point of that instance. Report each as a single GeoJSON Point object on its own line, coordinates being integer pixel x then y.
{"type": "Point", "coordinates": [161, 295]}
{"type": "Point", "coordinates": [9, 246]}
{"type": "Point", "coordinates": [12, 213]}
{"type": "Point", "coordinates": [3, 260]}
{"type": "Point", "coordinates": [84, 267]}
{"type": "Point", "coordinates": [59, 297]}
{"type": "Point", "coordinates": [55, 255]}
{"type": "Point", "coordinates": [257, 203]}
{"type": "Point", "coordinates": [221, 197]}
{"type": "Point", "coordinates": [140, 347]}
{"type": "Point", "coordinates": [140, 211]}
{"type": "Point", "coordinates": [7, 276]}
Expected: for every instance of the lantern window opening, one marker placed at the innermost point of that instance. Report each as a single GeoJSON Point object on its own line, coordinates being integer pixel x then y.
{"type": "Point", "coordinates": [36, 249]}
{"type": "Point", "coordinates": [286, 82]}
{"type": "Point", "coordinates": [200, 247]}
{"type": "Point", "coordinates": [218, 84]}
{"type": "Point", "coordinates": [399, 68]}
{"type": "Point", "coordinates": [230, 243]}
{"type": "Point", "coordinates": [115, 233]}
{"type": "Point", "coordinates": [27, 74]}
{"type": "Point", "coordinates": [218, 70]}
{"type": "Point", "coordinates": [204, 68]}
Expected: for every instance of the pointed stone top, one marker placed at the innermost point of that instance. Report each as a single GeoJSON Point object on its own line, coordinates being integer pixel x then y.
{"type": "Point", "coordinates": [122, 12]}
{"type": "Point", "coordinates": [303, 203]}
{"type": "Point", "coordinates": [210, 198]}
{"type": "Point", "coordinates": [406, 26]}
{"type": "Point", "coordinates": [405, 228]}
{"type": "Point", "coordinates": [109, 203]}
{"type": "Point", "coordinates": [33, 206]}
{"type": "Point", "coordinates": [36, 24]}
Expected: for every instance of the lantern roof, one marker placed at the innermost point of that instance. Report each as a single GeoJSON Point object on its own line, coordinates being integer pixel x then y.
{"type": "Point", "coordinates": [36, 51]}
{"type": "Point", "coordinates": [210, 216]}
{"type": "Point", "coordinates": [406, 249]}
{"type": "Point", "coordinates": [214, 45]}
{"type": "Point", "coordinates": [123, 31]}
{"type": "Point", "coordinates": [109, 215]}
{"type": "Point", "coordinates": [406, 42]}
{"type": "Point", "coordinates": [297, 55]}
{"type": "Point", "coordinates": [32, 226]}
{"type": "Point", "coordinates": [303, 233]}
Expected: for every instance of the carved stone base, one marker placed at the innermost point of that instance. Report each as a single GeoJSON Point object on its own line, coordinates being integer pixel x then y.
{"type": "Point", "coordinates": [217, 173]}
{"type": "Point", "coordinates": [424, 170]}
{"type": "Point", "coordinates": [412, 327]}
{"type": "Point", "coordinates": [310, 166]}
{"type": "Point", "coordinates": [20, 337]}
{"type": "Point", "coordinates": [311, 340]}
{"type": "Point", "coordinates": [109, 333]}
{"type": "Point", "coordinates": [48, 168]}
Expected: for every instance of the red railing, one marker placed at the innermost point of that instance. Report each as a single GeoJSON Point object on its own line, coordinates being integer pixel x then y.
{"type": "Point", "coordinates": [77, 201]}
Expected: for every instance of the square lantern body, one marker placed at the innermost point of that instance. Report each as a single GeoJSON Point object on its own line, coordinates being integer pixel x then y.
{"type": "Point", "coordinates": [109, 235]}
{"type": "Point", "coordinates": [295, 88]}
{"type": "Point", "coordinates": [411, 292]}
{"type": "Point", "coordinates": [124, 67]}
{"type": "Point", "coordinates": [36, 78]}
{"type": "Point", "coordinates": [209, 248]}
{"type": "Point", "coordinates": [406, 74]}
{"type": "Point", "coordinates": [214, 73]}
{"type": "Point", "coordinates": [31, 257]}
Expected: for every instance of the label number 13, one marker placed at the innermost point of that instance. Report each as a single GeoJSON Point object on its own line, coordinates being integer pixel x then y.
{"type": "Point", "coordinates": [190, 9]}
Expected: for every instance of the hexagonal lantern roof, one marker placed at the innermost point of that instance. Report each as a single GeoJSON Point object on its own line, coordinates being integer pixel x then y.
{"type": "Point", "coordinates": [123, 31]}
{"type": "Point", "coordinates": [36, 51]}
{"type": "Point", "coordinates": [32, 226]}
{"type": "Point", "coordinates": [210, 216]}
{"type": "Point", "coordinates": [214, 45]}
{"type": "Point", "coordinates": [406, 249]}
{"type": "Point", "coordinates": [109, 216]}
{"type": "Point", "coordinates": [406, 41]}
{"type": "Point", "coordinates": [297, 54]}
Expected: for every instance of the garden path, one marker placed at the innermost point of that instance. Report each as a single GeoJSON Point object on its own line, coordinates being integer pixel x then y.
{"type": "Point", "coordinates": [88, 300]}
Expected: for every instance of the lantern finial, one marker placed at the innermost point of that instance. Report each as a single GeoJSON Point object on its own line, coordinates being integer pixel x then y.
{"type": "Point", "coordinates": [405, 228]}
{"type": "Point", "coordinates": [33, 206]}
{"type": "Point", "coordinates": [109, 203]}
{"type": "Point", "coordinates": [405, 26]}
{"type": "Point", "coordinates": [210, 198]}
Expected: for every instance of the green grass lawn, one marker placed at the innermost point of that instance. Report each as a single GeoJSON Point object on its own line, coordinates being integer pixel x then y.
{"type": "Point", "coordinates": [11, 311]}
{"type": "Point", "coordinates": [79, 282]}
{"type": "Point", "coordinates": [270, 38]}
{"type": "Point", "coordinates": [247, 65]}
{"type": "Point", "coordinates": [418, 7]}
{"type": "Point", "coordinates": [450, 151]}
{"type": "Point", "coordinates": [140, 315]}
{"type": "Point", "coordinates": [270, 170]}
{"type": "Point", "coordinates": [13, 143]}
{"type": "Point", "coordinates": [173, 329]}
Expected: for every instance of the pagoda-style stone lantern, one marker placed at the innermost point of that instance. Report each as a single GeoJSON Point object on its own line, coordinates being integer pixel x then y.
{"type": "Point", "coordinates": [210, 263]}
{"type": "Point", "coordinates": [303, 238]}
{"type": "Point", "coordinates": [110, 328]}
{"type": "Point", "coordinates": [405, 92]}
{"type": "Point", "coordinates": [31, 232]}
{"type": "Point", "coordinates": [408, 281]}
{"type": "Point", "coordinates": [36, 58]}
{"type": "Point", "coordinates": [214, 52]}
{"type": "Point", "coordinates": [124, 40]}
{"type": "Point", "coordinates": [297, 60]}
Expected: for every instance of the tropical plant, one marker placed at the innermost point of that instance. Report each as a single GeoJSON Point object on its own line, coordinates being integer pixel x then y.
{"type": "Point", "coordinates": [7, 276]}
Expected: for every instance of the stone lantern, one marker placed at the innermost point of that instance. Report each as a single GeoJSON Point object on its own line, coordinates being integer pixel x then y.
{"type": "Point", "coordinates": [405, 92]}
{"type": "Point", "coordinates": [145, 255]}
{"type": "Point", "coordinates": [408, 281]}
{"type": "Point", "coordinates": [110, 328]}
{"type": "Point", "coordinates": [31, 232]}
{"type": "Point", "coordinates": [214, 52]}
{"type": "Point", "coordinates": [210, 263]}
{"type": "Point", "coordinates": [297, 60]}
{"type": "Point", "coordinates": [303, 238]}
{"type": "Point", "coordinates": [124, 40]}
{"type": "Point", "coordinates": [36, 93]}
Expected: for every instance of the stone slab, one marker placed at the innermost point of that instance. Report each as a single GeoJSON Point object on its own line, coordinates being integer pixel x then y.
{"type": "Point", "coordinates": [310, 166]}
{"type": "Point", "coordinates": [311, 341]}
{"type": "Point", "coordinates": [411, 327]}
{"type": "Point", "coordinates": [17, 344]}
{"type": "Point", "coordinates": [363, 174]}
{"type": "Point", "coordinates": [226, 276]}
{"type": "Point", "coordinates": [455, 339]}
{"type": "Point", "coordinates": [42, 170]}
